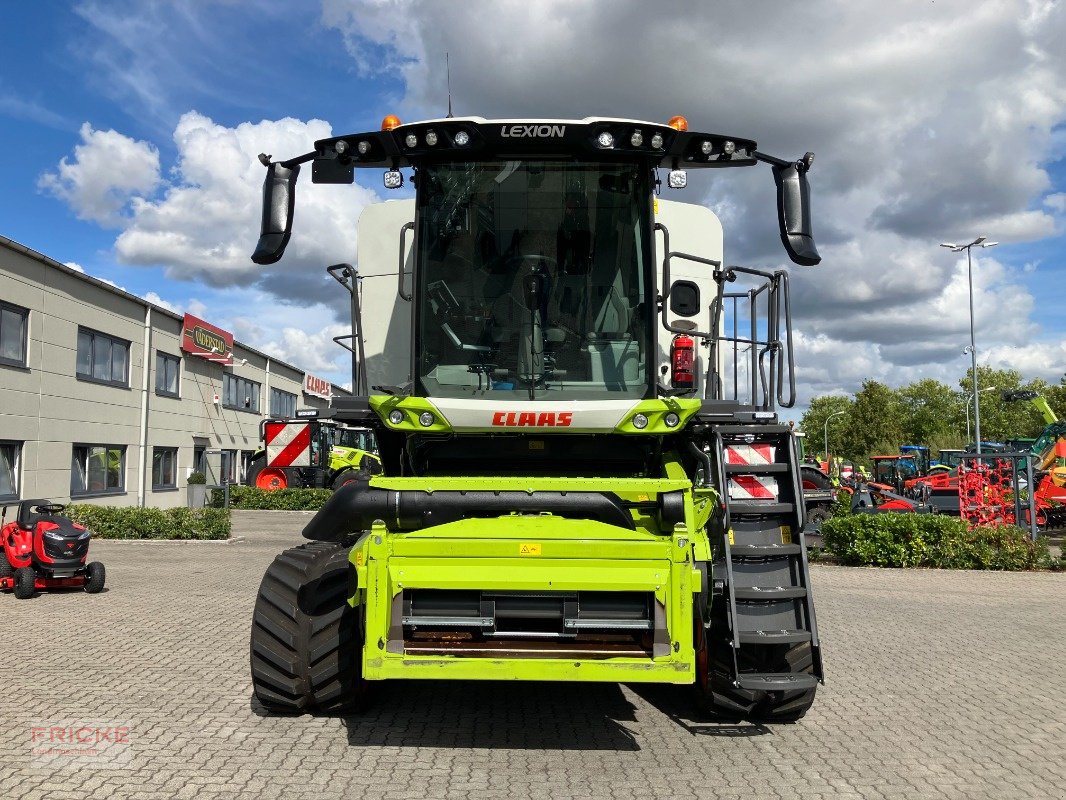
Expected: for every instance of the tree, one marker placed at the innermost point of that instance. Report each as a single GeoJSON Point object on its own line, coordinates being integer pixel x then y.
{"type": "Point", "coordinates": [931, 413]}
{"type": "Point", "coordinates": [813, 423]}
{"type": "Point", "coordinates": [877, 425]}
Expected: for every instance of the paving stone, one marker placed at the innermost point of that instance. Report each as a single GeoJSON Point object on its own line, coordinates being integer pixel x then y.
{"type": "Point", "coordinates": [939, 684]}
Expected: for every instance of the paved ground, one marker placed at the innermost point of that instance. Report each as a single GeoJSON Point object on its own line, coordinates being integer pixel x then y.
{"type": "Point", "coordinates": [940, 684]}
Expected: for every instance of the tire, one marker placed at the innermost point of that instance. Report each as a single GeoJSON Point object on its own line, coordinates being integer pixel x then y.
{"type": "Point", "coordinates": [95, 574]}
{"type": "Point", "coordinates": [306, 642]}
{"type": "Point", "coordinates": [349, 475]}
{"type": "Point", "coordinates": [813, 478]}
{"type": "Point", "coordinates": [816, 515]}
{"type": "Point", "coordinates": [255, 466]}
{"type": "Point", "coordinates": [25, 582]}
{"type": "Point", "coordinates": [6, 570]}
{"type": "Point", "coordinates": [718, 699]}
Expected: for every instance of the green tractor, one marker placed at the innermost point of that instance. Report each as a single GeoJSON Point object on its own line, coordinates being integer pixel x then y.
{"type": "Point", "coordinates": [309, 452]}
{"type": "Point", "coordinates": [575, 402]}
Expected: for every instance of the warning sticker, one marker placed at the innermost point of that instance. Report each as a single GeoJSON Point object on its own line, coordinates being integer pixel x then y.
{"type": "Point", "coordinates": [529, 549]}
{"type": "Point", "coordinates": [786, 534]}
{"type": "Point", "coordinates": [731, 536]}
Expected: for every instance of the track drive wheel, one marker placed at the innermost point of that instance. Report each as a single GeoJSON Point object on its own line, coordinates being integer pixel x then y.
{"type": "Point", "coordinates": [719, 699]}
{"type": "Point", "coordinates": [306, 640]}
{"type": "Point", "coordinates": [95, 575]}
{"type": "Point", "coordinates": [25, 582]}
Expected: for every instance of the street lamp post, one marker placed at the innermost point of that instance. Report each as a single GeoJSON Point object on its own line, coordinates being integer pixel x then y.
{"type": "Point", "coordinates": [968, 404]}
{"type": "Point", "coordinates": [834, 414]}
{"type": "Point", "coordinates": [958, 248]}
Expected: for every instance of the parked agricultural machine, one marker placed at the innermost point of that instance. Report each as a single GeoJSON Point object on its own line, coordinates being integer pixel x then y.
{"type": "Point", "coordinates": [585, 478]}
{"type": "Point", "coordinates": [312, 452]}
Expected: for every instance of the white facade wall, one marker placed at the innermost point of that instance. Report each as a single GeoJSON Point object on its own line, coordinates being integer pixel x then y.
{"type": "Point", "coordinates": [46, 410]}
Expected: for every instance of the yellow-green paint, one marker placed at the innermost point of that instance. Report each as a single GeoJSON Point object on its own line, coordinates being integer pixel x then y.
{"type": "Point", "coordinates": [656, 412]}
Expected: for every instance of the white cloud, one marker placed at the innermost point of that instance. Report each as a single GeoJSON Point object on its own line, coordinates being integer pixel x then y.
{"type": "Point", "coordinates": [155, 299]}
{"type": "Point", "coordinates": [107, 172]}
{"type": "Point", "coordinates": [74, 266]}
{"type": "Point", "coordinates": [929, 124]}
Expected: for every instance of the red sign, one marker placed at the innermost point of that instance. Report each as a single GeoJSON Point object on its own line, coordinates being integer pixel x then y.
{"type": "Point", "coordinates": [317, 387]}
{"type": "Point", "coordinates": [204, 339]}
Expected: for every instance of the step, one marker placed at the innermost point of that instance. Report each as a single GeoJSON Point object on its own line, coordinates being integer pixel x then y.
{"type": "Point", "coordinates": [763, 593]}
{"type": "Point", "coordinates": [774, 637]}
{"type": "Point", "coordinates": [777, 681]}
{"type": "Point", "coordinates": [757, 469]}
{"type": "Point", "coordinates": [764, 550]}
{"type": "Point", "coordinates": [747, 507]}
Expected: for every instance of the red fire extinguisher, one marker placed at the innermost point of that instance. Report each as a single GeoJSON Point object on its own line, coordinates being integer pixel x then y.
{"type": "Point", "coordinates": [683, 358]}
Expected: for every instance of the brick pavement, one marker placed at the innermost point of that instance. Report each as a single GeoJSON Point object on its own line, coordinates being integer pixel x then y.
{"type": "Point", "coordinates": [940, 684]}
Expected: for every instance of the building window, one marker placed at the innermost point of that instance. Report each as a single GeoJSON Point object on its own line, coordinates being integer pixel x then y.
{"type": "Point", "coordinates": [240, 393]}
{"type": "Point", "coordinates": [98, 469]}
{"type": "Point", "coordinates": [102, 358]}
{"type": "Point", "coordinates": [13, 334]}
{"type": "Point", "coordinates": [9, 470]}
{"type": "Point", "coordinates": [229, 466]}
{"type": "Point", "coordinates": [282, 404]}
{"type": "Point", "coordinates": [164, 467]}
{"type": "Point", "coordinates": [167, 374]}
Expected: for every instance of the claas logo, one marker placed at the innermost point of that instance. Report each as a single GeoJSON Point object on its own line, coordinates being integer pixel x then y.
{"type": "Point", "coordinates": [531, 419]}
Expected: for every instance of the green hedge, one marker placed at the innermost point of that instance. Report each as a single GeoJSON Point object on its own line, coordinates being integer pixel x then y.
{"type": "Point", "coordinates": [249, 498]}
{"type": "Point", "coordinates": [112, 522]}
{"type": "Point", "coordinates": [930, 540]}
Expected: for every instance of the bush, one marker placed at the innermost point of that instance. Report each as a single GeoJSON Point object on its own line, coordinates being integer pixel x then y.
{"type": "Point", "coordinates": [930, 540]}
{"type": "Point", "coordinates": [111, 522]}
{"type": "Point", "coordinates": [197, 479]}
{"type": "Point", "coordinates": [250, 498]}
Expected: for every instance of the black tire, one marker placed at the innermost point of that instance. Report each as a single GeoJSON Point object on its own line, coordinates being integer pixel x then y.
{"type": "Point", "coordinates": [306, 640]}
{"type": "Point", "coordinates": [350, 475]}
{"type": "Point", "coordinates": [816, 515]}
{"type": "Point", "coordinates": [95, 575]}
{"type": "Point", "coordinates": [6, 570]}
{"type": "Point", "coordinates": [255, 466]}
{"type": "Point", "coordinates": [718, 699]}
{"type": "Point", "coordinates": [814, 478]}
{"type": "Point", "coordinates": [25, 582]}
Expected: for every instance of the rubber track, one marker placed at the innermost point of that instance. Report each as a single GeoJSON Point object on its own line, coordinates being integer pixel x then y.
{"type": "Point", "coordinates": [305, 642]}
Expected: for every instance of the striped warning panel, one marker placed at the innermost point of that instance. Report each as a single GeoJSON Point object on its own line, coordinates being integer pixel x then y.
{"type": "Point", "coordinates": [753, 454]}
{"type": "Point", "coordinates": [288, 444]}
{"type": "Point", "coordinates": [752, 487]}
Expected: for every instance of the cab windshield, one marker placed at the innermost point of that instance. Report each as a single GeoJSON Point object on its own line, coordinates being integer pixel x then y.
{"type": "Point", "coordinates": [532, 280]}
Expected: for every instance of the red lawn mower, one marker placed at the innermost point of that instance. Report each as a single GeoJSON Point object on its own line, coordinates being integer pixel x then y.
{"type": "Point", "coordinates": [44, 550]}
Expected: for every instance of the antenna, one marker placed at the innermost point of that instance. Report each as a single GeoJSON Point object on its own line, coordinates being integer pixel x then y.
{"type": "Point", "coordinates": [448, 70]}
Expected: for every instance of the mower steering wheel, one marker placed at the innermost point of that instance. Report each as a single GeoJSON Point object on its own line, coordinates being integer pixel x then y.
{"type": "Point", "coordinates": [50, 508]}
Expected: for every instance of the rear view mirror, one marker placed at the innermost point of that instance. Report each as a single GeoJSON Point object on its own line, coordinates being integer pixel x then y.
{"type": "Point", "coordinates": [794, 212]}
{"type": "Point", "coordinates": [685, 298]}
{"type": "Point", "coordinates": [279, 199]}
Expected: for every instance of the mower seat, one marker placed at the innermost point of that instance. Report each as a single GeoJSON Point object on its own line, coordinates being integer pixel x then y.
{"type": "Point", "coordinates": [27, 519]}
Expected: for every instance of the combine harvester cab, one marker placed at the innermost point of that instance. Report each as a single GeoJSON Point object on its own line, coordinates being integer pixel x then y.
{"type": "Point", "coordinates": [575, 403]}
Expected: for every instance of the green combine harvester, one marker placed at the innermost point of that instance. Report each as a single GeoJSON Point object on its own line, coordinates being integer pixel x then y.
{"type": "Point", "coordinates": [584, 477]}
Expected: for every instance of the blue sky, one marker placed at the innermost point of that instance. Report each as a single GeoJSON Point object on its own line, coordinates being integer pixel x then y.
{"type": "Point", "coordinates": [130, 129]}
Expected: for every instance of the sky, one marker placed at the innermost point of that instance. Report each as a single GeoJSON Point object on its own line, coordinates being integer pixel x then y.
{"type": "Point", "coordinates": [130, 130]}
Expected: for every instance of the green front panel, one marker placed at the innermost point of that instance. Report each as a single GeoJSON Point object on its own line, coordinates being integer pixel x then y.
{"type": "Point", "coordinates": [540, 553]}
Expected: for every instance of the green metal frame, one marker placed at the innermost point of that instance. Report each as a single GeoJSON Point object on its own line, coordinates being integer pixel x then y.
{"type": "Point", "coordinates": [538, 553]}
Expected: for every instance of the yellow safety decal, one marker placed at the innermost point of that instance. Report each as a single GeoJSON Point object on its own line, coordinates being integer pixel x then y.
{"type": "Point", "coordinates": [642, 498]}
{"type": "Point", "coordinates": [656, 205]}
{"type": "Point", "coordinates": [529, 549]}
{"type": "Point", "coordinates": [536, 444]}
{"type": "Point", "coordinates": [786, 534]}
{"type": "Point", "coordinates": [731, 536]}
{"type": "Point", "coordinates": [359, 559]}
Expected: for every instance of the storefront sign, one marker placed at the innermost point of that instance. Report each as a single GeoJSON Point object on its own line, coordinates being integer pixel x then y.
{"type": "Point", "coordinates": [204, 339]}
{"type": "Point", "coordinates": [316, 387]}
